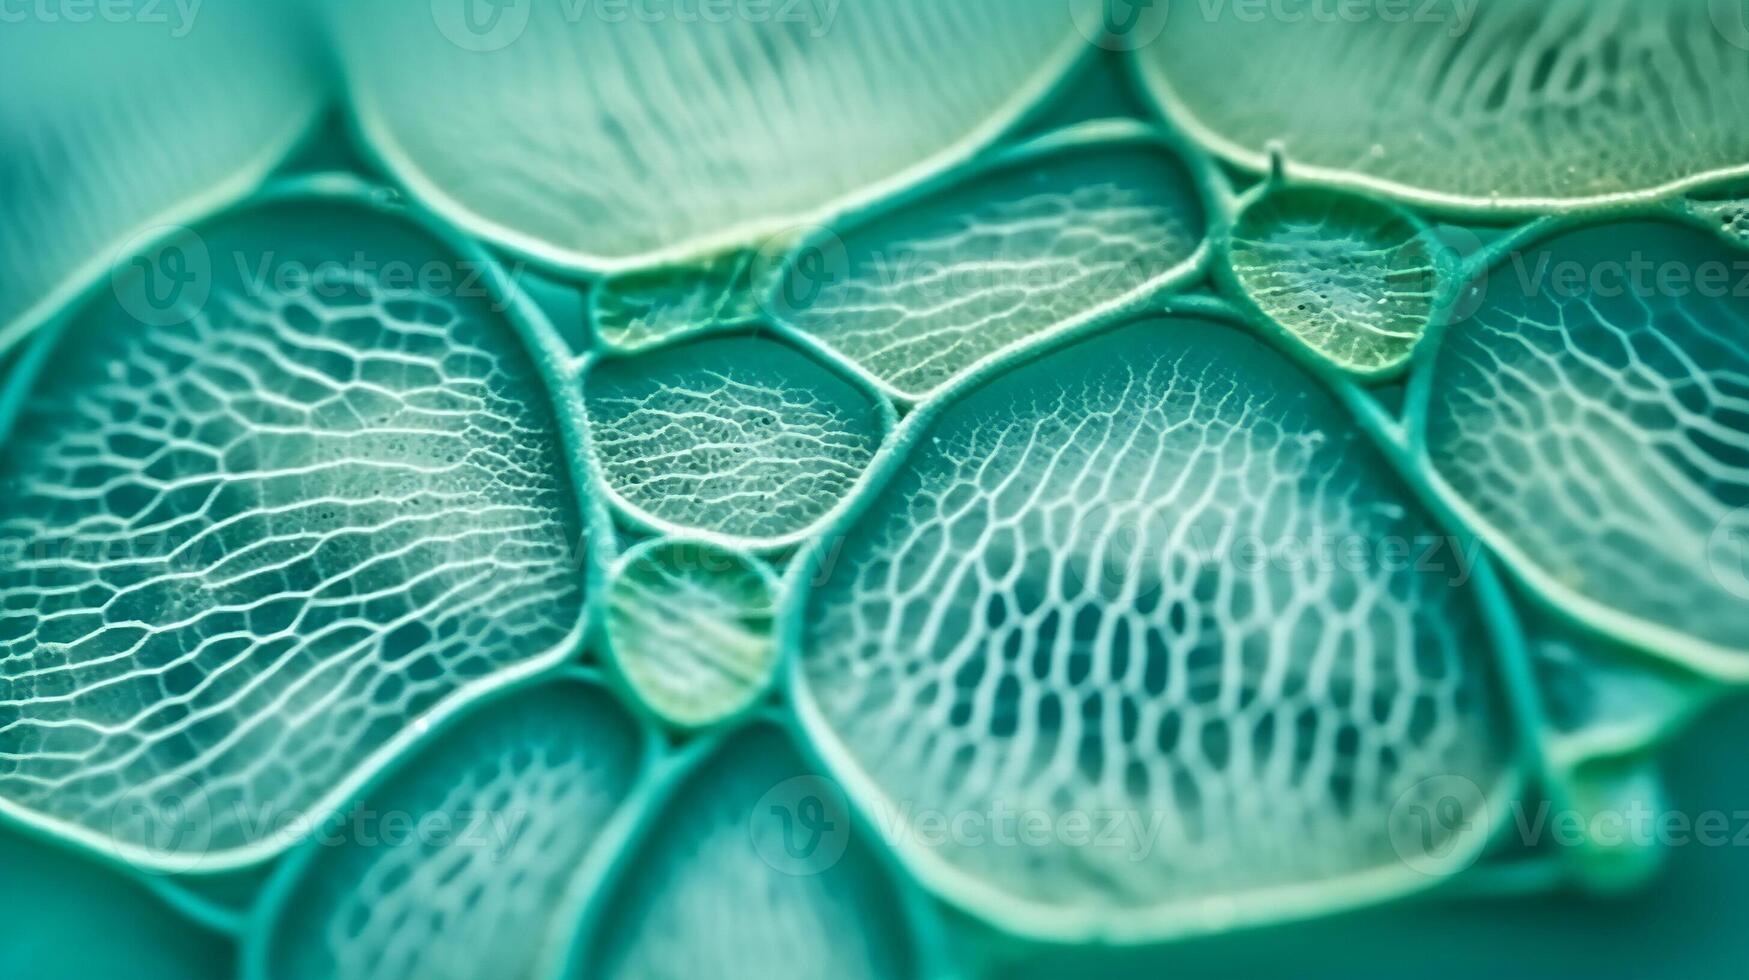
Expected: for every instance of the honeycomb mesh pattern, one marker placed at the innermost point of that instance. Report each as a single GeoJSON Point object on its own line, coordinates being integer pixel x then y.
{"type": "Point", "coordinates": [1049, 609]}
{"type": "Point", "coordinates": [247, 549]}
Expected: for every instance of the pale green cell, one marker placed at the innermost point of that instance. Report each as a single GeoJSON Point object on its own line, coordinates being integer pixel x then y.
{"type": "Point", "coordinates": [1145, 623]}
{"type": "Point", "coordinates": [1123, 579]}
{"type": "Point", "coordinates": [1496, 105]}
{"type": "Point", "coordinates": [1354, 280]}
{"type": "Point", "coordinates": [689, 625]}
{"type": "Point", "coordinates": [601, 138]}
{"type": "Point", "coordinates": [740, 437]}
{"type": "Point", "coordinates": [1044, 239]}
{"type": "Point", "coordinates": [639, 310]}
{"type": "Point", "coordinates": [116, 128]}
{"type": "Point", "coordinates": [257, 537]}
{"type": "Point", "coordinates": [464, 862]}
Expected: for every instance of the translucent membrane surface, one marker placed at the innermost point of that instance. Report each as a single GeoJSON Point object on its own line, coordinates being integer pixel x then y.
{"type": "Point", "coordinates": [1469, 105]}
{"type": "Point", "coordinates": [1354, 280]}
{"type": "Point", "coordinates": [690, 628]}
{"type": "Point", "coordinates": [256, 535]}
{"type": "Point", "coordinates": [643, 309]}
{"type": "Point", "coordinates": [742, 437]}
{"type": "Point", "coordinates": [597, 138]}
{"type": "Point", "coordinates": [1100, 587]}
{"type": "Point", "coordinates": [1038, 242]}
{"type": "Point", "coordinates": [1593, 420]}
{"type": "Point", "coordinates": [115, 126]}
{"type": "Point", "coordinates": [460, 865]}
{"type": "Point", "coordinates": [741, 831]}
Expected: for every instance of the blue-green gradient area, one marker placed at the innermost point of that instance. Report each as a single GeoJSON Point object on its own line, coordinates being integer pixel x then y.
{"type": "Point", "coordinates": [70, 919]}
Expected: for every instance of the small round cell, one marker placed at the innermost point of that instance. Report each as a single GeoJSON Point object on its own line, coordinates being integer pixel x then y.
{"type": "Point", "coordinates": [690, 628]}
{"type": "Point", "coordinates": [1355, 280]}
